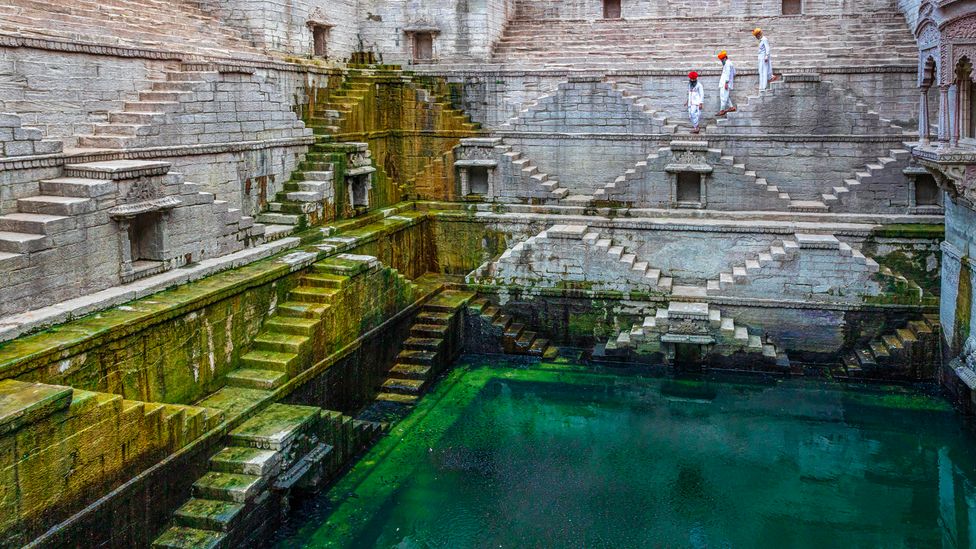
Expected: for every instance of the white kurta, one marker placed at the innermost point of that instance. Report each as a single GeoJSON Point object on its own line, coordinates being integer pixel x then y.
{"type": "Point", "coordinates": [696, 97]}
{"type": "Point", "coordinates": [765, 63]}
{"type": "Point", "coordinates": [725, 92]}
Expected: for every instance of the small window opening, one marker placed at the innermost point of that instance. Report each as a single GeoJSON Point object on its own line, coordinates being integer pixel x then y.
{"type": "Point", "coordinates": [611, 9]}
{"type": "Point", "coordinates": [689, 188]}
{"type": "Point", "coordinates": [423, 46]}
{"type": "Point", "coordinates": [792, 7]}
{"type": "Point", "coordinates": [320, 41]}
{"type": "Point", "coordinates": [926, 191]}
{"type": "Point", "coordinates": [478, 180]}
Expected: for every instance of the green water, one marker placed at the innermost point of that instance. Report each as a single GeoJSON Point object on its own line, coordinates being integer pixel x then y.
{"type": "Point", "coordinates": [555, 456]}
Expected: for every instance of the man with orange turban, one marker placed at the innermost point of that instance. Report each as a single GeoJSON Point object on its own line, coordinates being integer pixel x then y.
{"type": "Point", "coordinates": [726, 84]}
{"type": "Point", "coordinates": [696, 100]}
{"type": "Point", "coordinates": [765, 60]}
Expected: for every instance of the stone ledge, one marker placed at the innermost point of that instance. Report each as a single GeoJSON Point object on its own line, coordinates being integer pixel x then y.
{"type": "Point", "coordinates": [668, 137]}
{"type": "Point", "coordinates": [16, 325]}
{"type": "Point", "coordinates": [659, 219]}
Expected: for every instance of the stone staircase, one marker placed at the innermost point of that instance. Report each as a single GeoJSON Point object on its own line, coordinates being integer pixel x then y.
{"type": "Point", "coordinates": [728, 336]}
{"type": "Point", "coordinates": [513, 336]}
{"type": "Point", "coordinates": [309, 187]}
{"type": "Point", "coordinates": [168, 113]}
{"type": "Point", "coordinates": [541, 185]}
{"type": "Point", "coordinates": [282, 347]}
{"type": "Point", "coordinates": [629, 102]}
{"type": "Point", "coordinates": [911, 352]}
{"type": "Point", "coordinates": [77, 199]}
{"type": "Point", "coordinates": [347, 109]}
{"type": "Point", "coordinates": [431, 347]}
{"type": "Point", "coordinates": [168, 26]}
{"type": "Point", "coordinates": [778, 253]}
{"type": "Point", "coordinates": [67, 447]}
{"type": "Point", "coordinates": [876, 178]}
{"type": "Point", "coordinates": [678, 43]}
{"type": "Point", "coordinates": [282, 448]}
{"type": "Point", "coordinates": [575, 250]}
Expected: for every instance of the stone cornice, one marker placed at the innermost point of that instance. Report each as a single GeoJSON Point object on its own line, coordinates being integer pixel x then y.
{"type": "Point", "coordinates": [54, 160]}
{"type": "Point", "coordinates": [789, 138]}
{"type": "Point", "coordinates": [447, 71]}
{"type": "Point", "coordinates": [954, 171]}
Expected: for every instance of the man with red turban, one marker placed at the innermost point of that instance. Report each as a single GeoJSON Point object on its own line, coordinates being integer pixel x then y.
{"type": "Point", "coordinates": [696, 100]}
{"type": "Point", "coordinates": [726, 84]}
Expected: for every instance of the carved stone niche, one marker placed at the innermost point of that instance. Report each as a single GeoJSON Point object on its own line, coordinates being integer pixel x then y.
{"type": "Point", "coordinates": [359, 176]}
{"type": "Point", "coordinates": [954, 171]}
{"type": "Point", "coordinates": [420, 39]}
{"type": "Point", "coordinates": [924, 194]}
{"type": "Point", "coordinates": [475, 163]}
{"type": "Point", "coordinates": [688, 172]}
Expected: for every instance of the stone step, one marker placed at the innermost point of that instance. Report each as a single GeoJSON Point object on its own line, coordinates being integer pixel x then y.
{"type": "Point", "coordinates": [36, 223]}
{"type": "Point", "coordinates": [403, 386]}
{"type": "Point", "coordinates": [396, 398]}
{"type": "Point", "coordinates": [230, 487]}
{"type": "Point", "coordinates": [299, 309]}
{"type": "Point", "coordinates": [429, 330]}
{"type": "Point", "coordinates": [292, 325]}
{"type": "Point", "coordinates": [281, 343]}
{"type": "Point", "coordinates": [182, 537]}
{"type": "Point", "coordinates": [55, 205]}
{"type": "Point", "coordinates": [276, 427]}
{"type": "Point", "coordinates": [23, 243]}
{"type": "Point", "coordinates": [78, 187]}
{"type": "Point", "coordinates": [251, 378]}
{"type": "Point", "coordinates": [245, 461]}
{"type": "Point", "coordinates": [410, 371]}
{"type": "Point", "coordinates": [417, 356]}
{"type": "Point", "coordinates": [208, 514]}
{"type": "Point", "coordinates": [431, 344]}
{"type": "Point", "coordinates": [435, 317]}
{"type": "Point", "coordinates": [311, 294]}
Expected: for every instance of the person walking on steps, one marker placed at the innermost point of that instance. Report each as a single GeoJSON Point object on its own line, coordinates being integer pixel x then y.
{"type": "Point", "coordinates": [726, 84]}
{"type": "Point", "coordinates": [696, 100]}
{"type": "Point", "coordinates": [765, 60]}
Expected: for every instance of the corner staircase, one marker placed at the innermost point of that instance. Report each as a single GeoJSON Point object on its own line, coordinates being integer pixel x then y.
{"type": "Point", "coordinates": [428, 349]}
{"type": "Point", "coordinates": [515, 338]}
{"type": "Point", "coordinates": [915, 344]}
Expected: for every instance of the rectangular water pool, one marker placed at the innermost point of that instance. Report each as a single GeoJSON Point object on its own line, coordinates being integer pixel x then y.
{"type": "Point", "coordinates": [515, 456]}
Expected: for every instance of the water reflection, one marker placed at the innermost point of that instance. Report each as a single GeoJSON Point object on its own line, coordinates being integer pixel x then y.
{"type": "Point", "coordinates": [522, 458]}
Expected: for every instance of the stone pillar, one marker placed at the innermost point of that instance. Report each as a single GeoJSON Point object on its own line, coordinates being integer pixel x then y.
{"type": "Point", "coordinates": [465, 181]}
{"type": "Point", "coordinates": [923, 116]}
{"type": "Point", "coordinates": [957, 116]}
{"type": "Point", "coordinates": [125, 246]}
{"type": "Point", "coordinates": [944, 127]}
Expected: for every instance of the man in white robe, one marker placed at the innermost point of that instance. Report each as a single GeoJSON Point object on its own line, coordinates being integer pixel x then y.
{"type": "Point", "coordinates": [765, 60]}
{"type": "Point", "coordinates": [696, 100]}
{"type": "Point", "coordinates": [726, 84]}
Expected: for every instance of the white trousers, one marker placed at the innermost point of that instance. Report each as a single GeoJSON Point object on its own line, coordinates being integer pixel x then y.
{"type": "Point", "coordinates": [726, 96]}
{"type": "Point", "coordinates": [765, 72]}
{"type": "Point", "coordinates": [694, 114]}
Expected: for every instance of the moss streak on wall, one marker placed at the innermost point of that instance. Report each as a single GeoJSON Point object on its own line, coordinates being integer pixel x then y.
{"type": "Point", "coordinates": [410, 130]}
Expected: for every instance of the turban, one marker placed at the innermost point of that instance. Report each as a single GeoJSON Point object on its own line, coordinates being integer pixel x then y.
{"type": "Point", "coordinates": [722, 54]}
{"type": "Point", "coordinates": [756, 31]}
{"type": "Point", "coordinates": [693, 75]}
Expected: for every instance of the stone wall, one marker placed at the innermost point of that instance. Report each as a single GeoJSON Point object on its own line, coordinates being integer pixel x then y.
{"type": "Point", "coordinates": [282, 26]}
{"type": "Point", "coordinates": [71, 443]}
{"type": "Point", "coordinates": [463, 30]}
{"type": "Point", "coordinates": [495, 97]}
